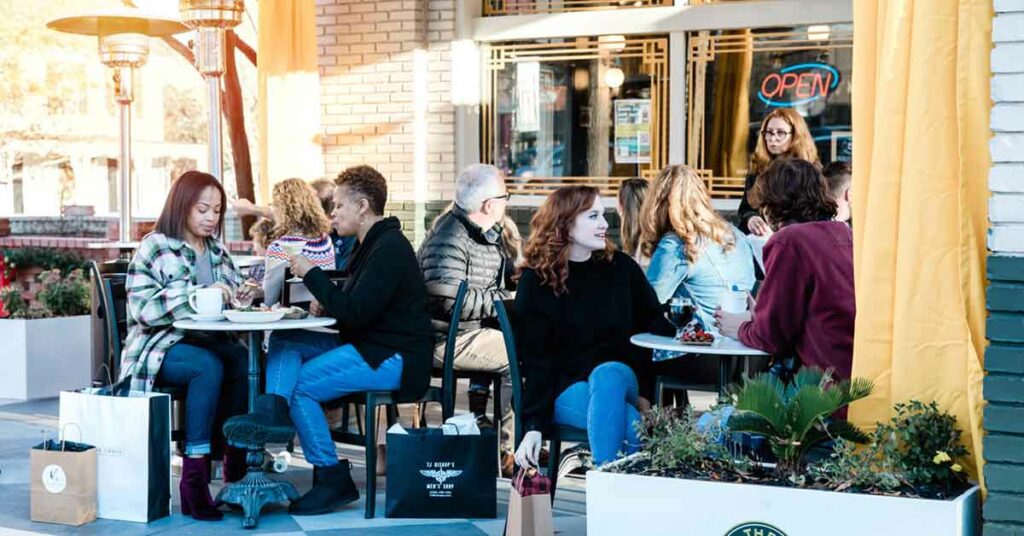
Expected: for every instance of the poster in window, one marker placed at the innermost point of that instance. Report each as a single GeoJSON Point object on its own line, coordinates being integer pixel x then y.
{"type": "Point", "coordinates": [633, 131]}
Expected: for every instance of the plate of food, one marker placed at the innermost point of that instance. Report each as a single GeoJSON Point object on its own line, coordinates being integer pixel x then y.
{"type": "Point", "coordinates": [695, 335]}
{"type": "Point", "coordinates": [254, 315]}
{"type": "Point", "coordinates": [292, 313]}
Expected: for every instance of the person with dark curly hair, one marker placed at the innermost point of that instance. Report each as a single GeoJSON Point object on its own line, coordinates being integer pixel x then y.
{"type": "Point", "coordinates": [385, 341]}
{"type": "Point", "coordinates": [806, 304]}
{"type": "Point", "coordinates": [578, 303]}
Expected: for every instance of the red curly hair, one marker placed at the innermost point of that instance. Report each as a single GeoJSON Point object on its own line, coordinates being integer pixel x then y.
{"type": "Point", "coordinates": [547, 248]}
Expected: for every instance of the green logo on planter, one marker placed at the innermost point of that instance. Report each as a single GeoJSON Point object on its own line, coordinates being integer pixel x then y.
{"type": "Point", "coordinates": [754, 529]}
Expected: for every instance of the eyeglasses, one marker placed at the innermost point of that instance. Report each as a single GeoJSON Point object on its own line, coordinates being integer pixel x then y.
{"type": "Point", "coordinates": [507, 196]}
{"type": "Point", "coordinates": [780, 134]}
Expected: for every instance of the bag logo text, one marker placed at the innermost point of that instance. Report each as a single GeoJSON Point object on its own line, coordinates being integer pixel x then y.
{"type": "Point", "coordinates": [54, 478]}
{"type": "Point", "coordinates": [443, 475]}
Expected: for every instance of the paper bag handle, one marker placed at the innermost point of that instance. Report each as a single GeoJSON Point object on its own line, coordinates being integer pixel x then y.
{"type": "Point", "coordinates": [523, 474]}
{"type": "Point", "coordinates": [63, 435]}
{"type": "Point", "coordinates": [103, 366]}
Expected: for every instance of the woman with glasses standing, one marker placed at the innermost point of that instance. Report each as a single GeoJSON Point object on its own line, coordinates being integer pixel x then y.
{"type": "Point", "coordinates": [783, 133]}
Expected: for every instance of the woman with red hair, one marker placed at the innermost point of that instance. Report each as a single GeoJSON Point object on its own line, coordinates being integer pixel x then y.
{"type": "Point", "coordinates": [578, 303]}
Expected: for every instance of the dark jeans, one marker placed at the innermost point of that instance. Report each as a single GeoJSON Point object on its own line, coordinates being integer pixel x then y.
{"type": "Point", "coordinates": [214, 371]}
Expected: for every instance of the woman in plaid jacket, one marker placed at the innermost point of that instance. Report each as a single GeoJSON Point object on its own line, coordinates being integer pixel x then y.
{"type": "Point", "coordinates": [181, 255]}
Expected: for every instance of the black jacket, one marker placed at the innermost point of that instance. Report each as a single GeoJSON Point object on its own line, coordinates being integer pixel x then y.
{"type": "Point", "coordinates": [561, 339]}
{"type": "Point", "coordinates": [458, 249]}
{"type": "Point", "coordinates": [745, 211]}
{"type": "Point", "coordinates": [382, 308]}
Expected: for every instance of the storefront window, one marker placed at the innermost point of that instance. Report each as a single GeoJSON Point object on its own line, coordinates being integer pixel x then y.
{"type": "Point", "coordinates": [736, 77]}
{"type": "Point", "coordinates": [589, 111]}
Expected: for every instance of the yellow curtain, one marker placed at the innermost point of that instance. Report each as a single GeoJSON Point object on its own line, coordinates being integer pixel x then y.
{"type": "Point", "coordinates": [921, 123]}
{"type": "Point", "coordinates": [289, 93]}
{"type": "Point", "coordinates": [730, 130]}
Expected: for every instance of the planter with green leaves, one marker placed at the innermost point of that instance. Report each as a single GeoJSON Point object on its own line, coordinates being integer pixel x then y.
{"type": "Point", "coordinates": [698, 479]}
{"type": "Point", "coordinates": [48, 341]}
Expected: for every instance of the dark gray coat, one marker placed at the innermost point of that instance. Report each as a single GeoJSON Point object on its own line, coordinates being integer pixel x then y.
{"type": "Point", "coordinates": [458, 249]}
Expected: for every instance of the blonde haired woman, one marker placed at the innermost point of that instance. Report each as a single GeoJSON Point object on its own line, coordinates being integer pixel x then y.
{"type": "Point", "coordinates": [301, 227]}
{"type": "Point", "coordinates": [694, 252]}
{"type": "Point", "coordinates": [783, 133]}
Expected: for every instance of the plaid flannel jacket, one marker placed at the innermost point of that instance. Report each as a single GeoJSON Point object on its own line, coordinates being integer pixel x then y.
{"type": "Point", "coordinates": [160, 279]}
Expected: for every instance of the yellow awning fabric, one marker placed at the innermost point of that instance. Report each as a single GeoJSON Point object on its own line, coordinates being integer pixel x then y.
{"type": "Point", "coordinates": [921, 121]}
{"type": "Point", "coordinates": [289, 94]}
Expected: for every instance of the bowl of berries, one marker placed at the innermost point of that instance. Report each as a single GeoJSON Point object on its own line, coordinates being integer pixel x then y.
{"type": "Point", "coordinates": [694, 334]}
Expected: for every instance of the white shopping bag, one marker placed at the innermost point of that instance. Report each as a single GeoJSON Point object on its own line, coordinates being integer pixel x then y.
{"type": "Point", "coordinates": [132, 436]}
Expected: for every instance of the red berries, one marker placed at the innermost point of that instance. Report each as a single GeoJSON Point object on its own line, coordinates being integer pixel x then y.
{"type": "Point", "coordinates": [696, 335]}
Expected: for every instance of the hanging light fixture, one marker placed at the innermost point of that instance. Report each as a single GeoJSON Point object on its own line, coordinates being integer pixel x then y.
{"type": "Point", "coordinates": [614, 77]}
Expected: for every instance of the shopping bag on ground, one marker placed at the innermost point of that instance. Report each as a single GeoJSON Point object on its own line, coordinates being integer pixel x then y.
{"type": "Point", "coordinates": [63, 482]}
{"type": "Point", "coordinates": [132, 436]}
{"type": "Point", "coordinates": [434, 475]}
{"type": "Point", "coordinates": [529, 505]}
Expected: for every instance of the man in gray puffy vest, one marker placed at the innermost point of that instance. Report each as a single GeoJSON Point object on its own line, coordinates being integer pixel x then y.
{"type": "Point", "coordinates": [466, 243]}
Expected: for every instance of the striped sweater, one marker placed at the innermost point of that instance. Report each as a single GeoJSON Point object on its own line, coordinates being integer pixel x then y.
{"type": "Point", "coordinates": [319, 251]}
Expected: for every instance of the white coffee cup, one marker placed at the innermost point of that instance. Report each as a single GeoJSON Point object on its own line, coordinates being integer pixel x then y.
{"type": "Point", "coordinates": [207, 301]}
{"type": "Point", "coordinates": [734, 301]}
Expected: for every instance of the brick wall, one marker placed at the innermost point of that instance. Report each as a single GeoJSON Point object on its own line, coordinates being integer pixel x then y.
{"type": "Point", "coordinates": [1004, 359]}
{"type": "Point", "coordinates": [373, 58]}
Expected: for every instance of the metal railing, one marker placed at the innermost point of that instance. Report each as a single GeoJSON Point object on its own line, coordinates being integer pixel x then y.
{"type": "Point", "coordinates": [528, 7]}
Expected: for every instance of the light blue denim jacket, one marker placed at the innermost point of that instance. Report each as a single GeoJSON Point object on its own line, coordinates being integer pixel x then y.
{"type": "Point", "coordinates": [672, 275]}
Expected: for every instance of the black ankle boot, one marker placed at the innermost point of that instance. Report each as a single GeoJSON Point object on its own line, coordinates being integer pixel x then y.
{"type": "Point", "coordinates": [332, 487]}
{"type": "Point", "coordinates": [269, 422]}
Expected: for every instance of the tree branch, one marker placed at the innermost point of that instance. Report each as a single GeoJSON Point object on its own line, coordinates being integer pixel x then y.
{"type": "Point", "coordinates": [245, 49]}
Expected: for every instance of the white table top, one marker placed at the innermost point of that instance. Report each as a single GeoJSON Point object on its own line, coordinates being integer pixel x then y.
{"type": "Point", "coordinates": [721, 346]}
{"type": "Point", "coordinates": [245, 261]}
{"type": "Point", "coordinates": [225, 325]}
{"type": "Point", "coordinates": [113, 245]}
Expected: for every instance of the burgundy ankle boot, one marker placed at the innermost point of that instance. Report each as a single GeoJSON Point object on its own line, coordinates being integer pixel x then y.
{"type": "Point", "coordinates": [195, 492]}
{"type": "Point", "coordinates": [235, 467]}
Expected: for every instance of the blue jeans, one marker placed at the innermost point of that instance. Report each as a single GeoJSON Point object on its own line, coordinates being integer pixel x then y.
{"type": "Point", "coordinates": [605, 406]}
{"type": "Point", "coordinates": [214, 373]}
{"type": "Point", "coordinates": [309, 367]}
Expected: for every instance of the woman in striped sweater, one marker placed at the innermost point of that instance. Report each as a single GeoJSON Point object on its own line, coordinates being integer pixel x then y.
{"type": "Point", "coordinates": [302, 226]}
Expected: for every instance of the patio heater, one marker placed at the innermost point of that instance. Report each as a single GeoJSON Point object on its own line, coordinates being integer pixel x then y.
{"type": "Point", "coordinates": [210, 19]}
{"type": "Point", "coordinates": [123, 46]}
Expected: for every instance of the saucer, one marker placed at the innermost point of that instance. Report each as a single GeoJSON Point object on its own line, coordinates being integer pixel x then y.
{"type": "Point", "coordinates": [206, 318]}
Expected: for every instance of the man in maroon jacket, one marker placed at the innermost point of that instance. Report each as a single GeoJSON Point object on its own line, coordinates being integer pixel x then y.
{"type": "Point", "coordinates": [806, 304]}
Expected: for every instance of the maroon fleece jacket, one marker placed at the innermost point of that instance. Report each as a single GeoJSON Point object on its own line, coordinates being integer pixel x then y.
{"type": "Point", "coordinates": [806, 303]}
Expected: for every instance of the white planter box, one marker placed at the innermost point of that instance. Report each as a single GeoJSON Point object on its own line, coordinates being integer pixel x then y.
{"type": "Point", "coordinates": [44, 356]}
{"type": "Point", "coordinates": [620, 504]}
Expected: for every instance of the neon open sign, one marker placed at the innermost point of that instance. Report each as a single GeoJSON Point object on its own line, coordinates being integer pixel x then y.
{"type": "Point", "coordinates": [798, 84]}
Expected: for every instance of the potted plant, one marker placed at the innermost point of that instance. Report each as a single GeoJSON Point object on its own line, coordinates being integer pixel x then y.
{"type": "Point", "coordinates": [47, 341]}
{"type": "Point", "coordinates": [904, 479]}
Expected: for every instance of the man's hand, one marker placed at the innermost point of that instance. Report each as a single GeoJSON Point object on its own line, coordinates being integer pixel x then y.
{"type": "Point", "coordinates": [729, 323]}
{"type": "Point", "coordinates": [759, 227]}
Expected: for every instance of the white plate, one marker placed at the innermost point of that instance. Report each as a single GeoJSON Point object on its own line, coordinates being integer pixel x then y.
{"type": "Point", "coordinates": [206, 318]}
{"type": "Point", "coordinates": [254, 317]}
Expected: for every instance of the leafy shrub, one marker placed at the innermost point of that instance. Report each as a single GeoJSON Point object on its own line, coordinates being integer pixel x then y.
{"type": "Point", "coordinates": [45, 258]}
{"type": "Point", "coordinates": [59, 296]}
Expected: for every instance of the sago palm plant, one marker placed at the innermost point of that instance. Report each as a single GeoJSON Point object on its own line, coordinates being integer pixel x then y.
{"type": "Point", "coordinates": [794, 417]}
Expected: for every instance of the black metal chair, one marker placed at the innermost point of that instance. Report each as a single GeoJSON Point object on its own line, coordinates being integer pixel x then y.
{"type": "Point", "coordinates": [449, 376]}
{"type": "Point", "coordinates": [111, 285]}
{"type": "Point", "coordinates": [557, 433]}
{"type": "Point", "coordinates": [337, 276]}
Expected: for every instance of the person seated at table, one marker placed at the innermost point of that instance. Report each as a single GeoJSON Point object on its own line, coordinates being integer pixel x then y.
{"type": "Point", "coordinates": [578, 303]}
{"type": "Point", "coordinates": [385, 340]}
{"type": "Point", "coordinates": [631, 197]}
{"type": "Point", "coordinates": [299, 223]}
{"type": "Point", "coordinates": [783, 133]}
{"type": "Point", "coordinates": [182, 254]}
{"type": "Point", "coordinates": [694, 252]}
{"type": "Point", "coordinates": [262, 233]}
{"type": "Point", "coordinates": [805, 306]}
{"type": "Point", "coordinates": [838, 178]}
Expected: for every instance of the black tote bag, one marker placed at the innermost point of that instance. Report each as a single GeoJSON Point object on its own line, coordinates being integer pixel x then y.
{"type": "Point", "coordinates": [432, 475]}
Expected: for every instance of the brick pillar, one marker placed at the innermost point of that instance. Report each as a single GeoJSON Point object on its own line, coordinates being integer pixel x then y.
{"type": "Point", "coordinates": [369, 80]}
{"type": "Point", "coordinates": [1004, 359]}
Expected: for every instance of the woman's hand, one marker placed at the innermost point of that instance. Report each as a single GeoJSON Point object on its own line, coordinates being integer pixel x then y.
{"type": "Point", "coordinates": [529, 450]}
{"type": "Point", "coordinates": [300, 265]}
{"type": "Point", "coordinates": [729, 323]}
{"type": "Point", "coordinates": [759, 227]}
{"type": "Point", "coordinates": [315, 308]}
{"type": "Point", "coordinates": [248, 293]}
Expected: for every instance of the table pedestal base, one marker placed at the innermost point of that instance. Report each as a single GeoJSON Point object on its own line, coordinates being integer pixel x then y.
{"type": "Point", "coordinates": [255, 490]}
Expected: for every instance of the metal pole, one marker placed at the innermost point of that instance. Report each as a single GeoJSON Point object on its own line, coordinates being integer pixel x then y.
{"type": "Point", "coordinates": [215, 144]}
{"type": "Point", "coordinates": [125, 104]}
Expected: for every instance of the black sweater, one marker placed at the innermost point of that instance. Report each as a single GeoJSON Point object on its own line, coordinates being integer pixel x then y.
{"type": "Point", "coordinates": [745, 211]}
{"type": "Point", "coordinates": [382, 307]}
{"type": "Point", "coordinates": [561, 339]}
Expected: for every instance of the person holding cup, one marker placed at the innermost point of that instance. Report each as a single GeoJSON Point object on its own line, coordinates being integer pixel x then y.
{"type": "Point", "coordinates": [694, 252]}
{"type": "Point", "coordinates": [180, 270]}
{"type": "Point", "coordinates": [805, 307]}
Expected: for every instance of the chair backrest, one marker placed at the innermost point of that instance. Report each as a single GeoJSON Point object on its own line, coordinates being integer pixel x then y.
{"type": "Point", "coordinates": [110, 280]}
{"type": "Point", "coordinates": [505, 309]}
{"type": "Point", "coordinates": [336, 276]}
{"type": "Point", "coordinates": [448, 371]}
